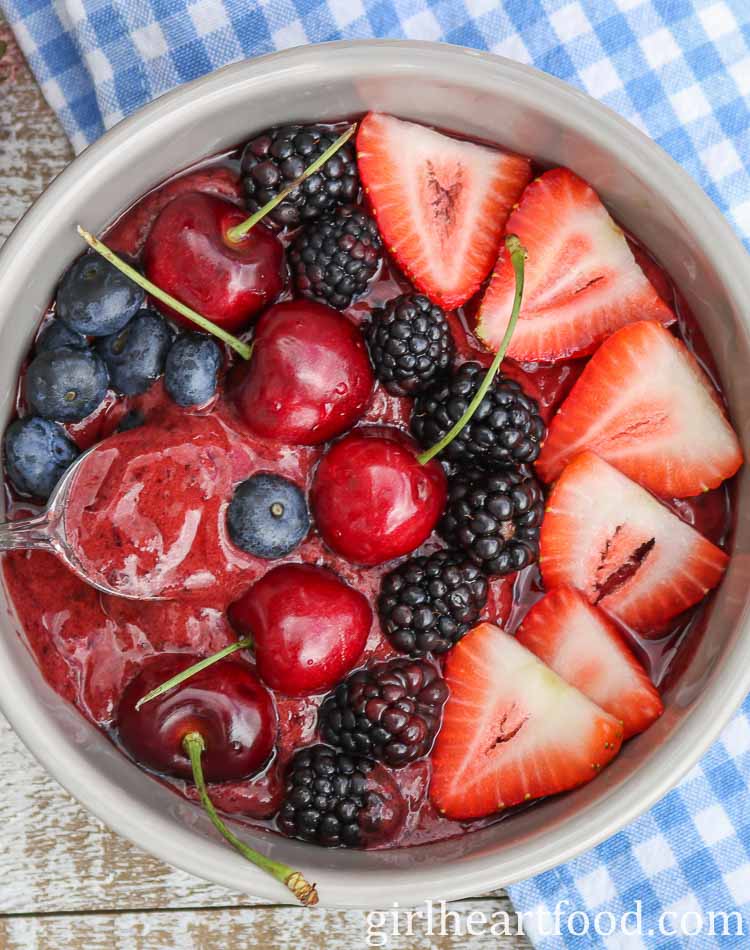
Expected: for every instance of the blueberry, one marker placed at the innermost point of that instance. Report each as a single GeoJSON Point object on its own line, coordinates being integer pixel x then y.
{"type": "Point", "coordinates": [131, 420]}
{"type": "Point", "coordinates": [95, 298]}
{"type": "Point", "coordinates": [57, 334]}
{"type": "Point", "coordinates": [267, 516]}
{"type": "Point", "coordinates": [66, 385]}
{"type": "Point", "coordinates": [192, 369]}
{"type": "Point", "coordinates": [37, 453]}
{"type": "Point", "coordinates": [135, 356]}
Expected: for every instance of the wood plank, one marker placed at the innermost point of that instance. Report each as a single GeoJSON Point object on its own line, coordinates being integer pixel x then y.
{"type": "Point", "coordinates": [250, 928]}
{"type": "Point", "coordinates": [57, 857]}
{"type": "Point", "coordinates": [33, 148]}
{"type": "Point", "coordinates": [61, 868]}
{"type": "Point", "coordinates": [66, 881]}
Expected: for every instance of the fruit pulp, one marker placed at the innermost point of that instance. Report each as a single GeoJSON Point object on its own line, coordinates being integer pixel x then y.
{"type": "Point", "coordinates": [88, 646]}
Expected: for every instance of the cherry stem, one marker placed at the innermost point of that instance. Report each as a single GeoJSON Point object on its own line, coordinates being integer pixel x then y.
{"type": "Point", "coordinates": [518, 258]}
{"type": "Point", "coordinates": [194, 746]}
{"type": "Point", "coordinates": [238, 232]}
{"type": "Point", "coordinates": [244, 644]}
{"type": "Point", "coordinates": [237, 345]}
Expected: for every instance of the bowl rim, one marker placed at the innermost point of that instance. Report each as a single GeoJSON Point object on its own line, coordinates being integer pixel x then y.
{"type": "Point", "coordinates": [212, 859]}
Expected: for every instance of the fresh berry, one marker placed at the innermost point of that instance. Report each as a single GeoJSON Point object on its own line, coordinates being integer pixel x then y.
{"type": "Point", "coordinates": [372, 500]}
{"type": "Point", "coordinates": [609, 538]}
{"type": "Point", "coordinates": [37, 453]}
{"type": "Point", "coordinates": [334, 259]}
{"type": "Point", "coordinates": [191, 369]}
{"type": "Point", "coordinates": [308, 627]}
{"type": "Point", "coordinates": [129, 233]}
{"type": "Point", "coordinates": [189, 255]}
{"type": "Point", "coordinates": [340, 801]}
{"type": "Point", "coordinates": [389, 711]}
{"type": "Point", "coordinates": [66, 385]}
{"type": "Point", "coordinates": [133, 419]}
{"type": "Point", "coordinates": [225, 703]}
{"type": "Point", "coordinates": [410, 344]}
{"type": "Point", "coordinates": [267, 516]}
{"type": "Point", "coordinates": [309, 378]}
{"type": "Point", "coordinates": [512, 730]}
{"type": "Point", "coordinates": [94, 298]}
{"type": "Point", "coordinates": [581, 282]}
{"type": "Point", "coordinates": [441, 204]}
{"type": "Point", "coordinates": [56, 335]}
{"type": "Point", "coordinates": [582, 645]}
{"type": "Point", "coordinates": [427, 604]}
{"type": "Point", "coordinates": [274, 159]}
{"type": "Point", "coordinates": [644, 404]}
{"type": "Point", "coordinates": [136, 355]}
{"type": "Point", "coordinates": [494, 518]}
{"type": "Point", "coordinates": [506, 429]}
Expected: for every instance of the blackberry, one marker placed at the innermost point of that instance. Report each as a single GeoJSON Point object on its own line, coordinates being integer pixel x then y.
{"type": "Point", "coordinates": [277, 157]}
{"type": "Point", "coordinates": [506, 430]}
{"type": "Point", "coordinates": [338, 800]}
{"type": "Point", "coordinates": [410, 344]}
{"type": "Point", "coordinates": [390, 711]}
{"type": "Point", "coordinates": [333, 259]}
{"type": "Point", "coordinates": [427, 604]}
{"type": "Point", "coordinates": [495, 518]}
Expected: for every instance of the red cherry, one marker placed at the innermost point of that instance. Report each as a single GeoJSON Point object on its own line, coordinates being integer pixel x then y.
{"type": "Point", "coordinates": [226, 704]}
{"type": "Point", "coordinates": [129, 233]}
{"type": "Point", "coordinates": [372, 500]}
{"type": "Point", "coordinates": [218, 726]}
{"type": "Point", "coordinates": [308, 627]}
{"type": "Point", "coordinates": [188, 255]}
{"type": "Point", "coordinates": [309, 378]}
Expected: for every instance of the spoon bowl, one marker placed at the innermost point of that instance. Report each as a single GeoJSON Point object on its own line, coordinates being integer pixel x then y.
{"type": "Point", "coordinates": [47, 532]}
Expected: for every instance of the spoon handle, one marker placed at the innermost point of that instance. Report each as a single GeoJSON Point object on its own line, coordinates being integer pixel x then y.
{"type": "Point", "coordinates": [25, 535]}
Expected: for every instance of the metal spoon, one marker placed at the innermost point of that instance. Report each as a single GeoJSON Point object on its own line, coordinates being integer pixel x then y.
{"type": "Point", "coordinates": [47, 532]}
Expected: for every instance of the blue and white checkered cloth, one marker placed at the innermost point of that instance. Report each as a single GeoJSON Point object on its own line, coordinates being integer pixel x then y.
{"type": "Point", "coordinates": [680, 71]}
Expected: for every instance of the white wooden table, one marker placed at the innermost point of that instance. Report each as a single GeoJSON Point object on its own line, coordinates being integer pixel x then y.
{"type": "Point", "coordinates": [65, 880]}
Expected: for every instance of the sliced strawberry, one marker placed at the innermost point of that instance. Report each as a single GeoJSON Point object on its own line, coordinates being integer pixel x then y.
{"type": "Point", "coordinates": [441, 204]}
{"type": "Point", "coordinates": [512, 729]}
{"type": "Point", "coordinates": [582, 645]}
{"type": "Point", "coordinates": [609, 538]}
{"type": "Point", "coordinates": [644, 404]}
{"type": "Point", "coordinates": [582, 282]}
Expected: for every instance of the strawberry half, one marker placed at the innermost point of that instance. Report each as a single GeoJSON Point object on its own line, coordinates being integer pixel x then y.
{"type": "Point", "coordinates": [609, 538]}
{"type": "Point", "coordinates": [440, 204]}
{"type": "Point", "coordinates": [512, 729]}
{"type": "Point", "coordinates": [644, 404]}
{"type": "Point", "coordinates": [582, 645]}
{"type": "Point", "coordinates": [582, 282]}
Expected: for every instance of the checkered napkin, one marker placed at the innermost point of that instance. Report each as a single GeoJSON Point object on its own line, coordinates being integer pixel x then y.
{"type": "Point", "coordinates": [678, 69]}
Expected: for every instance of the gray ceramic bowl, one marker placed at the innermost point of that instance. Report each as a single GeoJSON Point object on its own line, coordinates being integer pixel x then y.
{"type": "Point", "coordinates": [482, 96]}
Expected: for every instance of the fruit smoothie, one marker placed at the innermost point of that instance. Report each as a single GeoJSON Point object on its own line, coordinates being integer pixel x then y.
{"type": "Point", "coordinates": [420, 589]}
